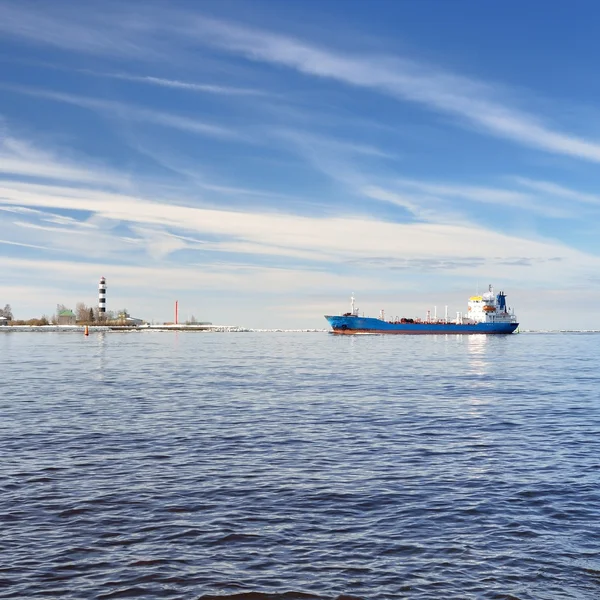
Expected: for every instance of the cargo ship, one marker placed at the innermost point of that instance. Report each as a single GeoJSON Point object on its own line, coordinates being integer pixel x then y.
{"type": "Point", "coordinates": [486, 314]}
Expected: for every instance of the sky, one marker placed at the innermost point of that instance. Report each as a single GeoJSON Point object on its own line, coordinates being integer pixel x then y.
{"type": "Point", "coordinates": [261, 161]}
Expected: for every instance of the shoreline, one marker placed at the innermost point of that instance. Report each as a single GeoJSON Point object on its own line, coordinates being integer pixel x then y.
{"type": "Point", "coordinates": [156, 328]}
{"type": "Point", "coordinates": [212, 329]}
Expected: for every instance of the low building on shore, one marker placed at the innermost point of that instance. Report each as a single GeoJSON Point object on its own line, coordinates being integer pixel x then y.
{"type": "Point", "coordinates": [66, 317]}
{"type": "Point", "coordinates": [134, 321]}
{"type": "Point", "coordinates": [3, 321]}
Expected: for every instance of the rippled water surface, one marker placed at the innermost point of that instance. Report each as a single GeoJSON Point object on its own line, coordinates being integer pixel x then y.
{"type": "Point", "coordinates": [256, 465]}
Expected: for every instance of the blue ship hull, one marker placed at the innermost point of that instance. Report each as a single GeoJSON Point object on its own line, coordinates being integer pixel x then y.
{"type": "Point", "coordinates": [354, 325]}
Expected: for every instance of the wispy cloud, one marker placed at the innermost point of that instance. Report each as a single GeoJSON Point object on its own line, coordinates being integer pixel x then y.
{"type": "Point", "coordinates": [554, 189]}
{"type": "Point", "coordinates": [423, 208]}
{"type": "Point", "coordinates": [515, 200]}
{"type": "Point", "coordinates": [470, 100]}
{"type": "Point", "coordinates": [105, 32]}
{"type": "Point", "coordinates": [190, 170]}
{"type": "Point", "coordinates": [475, 103]}
{"type": "Point", "coordinates": [23, 245]}
{"type": "Point", "coordinates": [467, 192]}
{"type": "Point", "coordinates": [205, 88]}
{"type": "Point", "coordinates": [233, 277]}
{"type": "Point", "coordinates": [66, 236]}
{"type": "Point", "coordinates": [19, 157]}
{"type": "Point", "coordinates": [130, 112]}
{"type": "Point", "coordinates": [341, 146]}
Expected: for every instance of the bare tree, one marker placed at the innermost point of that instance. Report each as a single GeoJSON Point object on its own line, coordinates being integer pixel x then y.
{"type": "Point", "coordinates": [82, 312]}
{"type": "Point", "coordinates": [7, 312]}
{"type": "Point", "coordinates": [122, 314]}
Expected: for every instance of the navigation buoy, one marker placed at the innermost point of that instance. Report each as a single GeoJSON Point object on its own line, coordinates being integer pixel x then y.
{"type": "Point", "coordinates": [86, 331]}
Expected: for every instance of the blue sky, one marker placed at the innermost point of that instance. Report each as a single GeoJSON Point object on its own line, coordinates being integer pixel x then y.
{"type": "Point", "coordinates": [260, 161]}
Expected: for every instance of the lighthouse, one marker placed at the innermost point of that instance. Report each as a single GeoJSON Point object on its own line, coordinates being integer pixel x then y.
{"type": "Point", "coordinates": [102, 298]}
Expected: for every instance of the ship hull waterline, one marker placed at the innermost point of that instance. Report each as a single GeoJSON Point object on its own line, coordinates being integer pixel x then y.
{"type": "Point", "coordinates": [361, 325]}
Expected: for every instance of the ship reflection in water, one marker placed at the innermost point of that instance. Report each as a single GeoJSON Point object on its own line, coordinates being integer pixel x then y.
{"type": "Point", "coordinates": [477, 357]}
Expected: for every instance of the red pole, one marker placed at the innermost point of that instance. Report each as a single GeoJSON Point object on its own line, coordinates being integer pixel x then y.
{"type": "Point", "coordinates": [176, 311]}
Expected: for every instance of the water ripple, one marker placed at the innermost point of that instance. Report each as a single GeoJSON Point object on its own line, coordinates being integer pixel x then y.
{"type": "Point", "coordinates": [288, 466]}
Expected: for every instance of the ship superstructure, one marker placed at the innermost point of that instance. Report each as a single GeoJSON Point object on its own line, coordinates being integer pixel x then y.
{"type": "Point", "coordinates": [489, 308]}
{"type": "Point", "coordinates": [487, 314]}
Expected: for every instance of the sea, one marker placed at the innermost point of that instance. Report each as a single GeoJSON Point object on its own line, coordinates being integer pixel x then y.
{"type": "Point", "coordinates": [299, 466]}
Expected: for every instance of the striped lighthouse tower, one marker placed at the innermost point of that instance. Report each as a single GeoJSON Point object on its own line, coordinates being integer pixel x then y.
{"type": "Point", "coordinates": [102, 298]}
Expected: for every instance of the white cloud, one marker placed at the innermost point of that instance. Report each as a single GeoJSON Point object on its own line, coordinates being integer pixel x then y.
{"type": "Point", "coordinates": [369, 243]}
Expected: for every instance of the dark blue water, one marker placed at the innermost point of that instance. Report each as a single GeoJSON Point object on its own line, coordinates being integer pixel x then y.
{"type": "Point", "coordinates": [255, 465]}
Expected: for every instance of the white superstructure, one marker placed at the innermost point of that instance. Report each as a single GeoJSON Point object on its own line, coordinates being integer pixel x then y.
{"type": "Point", "coordinates": [489, 308]}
